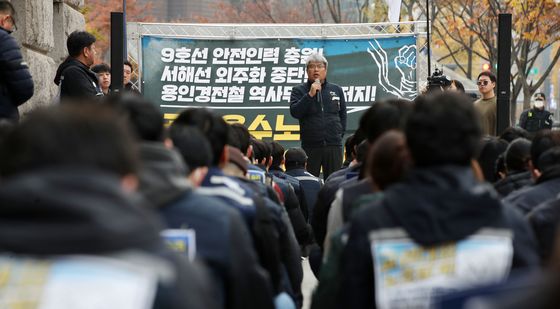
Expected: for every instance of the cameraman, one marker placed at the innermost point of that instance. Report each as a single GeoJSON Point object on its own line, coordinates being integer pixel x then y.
{"type": "Point", "coordinates": [437, 83]}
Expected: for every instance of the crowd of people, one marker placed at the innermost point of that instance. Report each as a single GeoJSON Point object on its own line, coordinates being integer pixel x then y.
{"type": "Point", "coordinates": [99, 198]}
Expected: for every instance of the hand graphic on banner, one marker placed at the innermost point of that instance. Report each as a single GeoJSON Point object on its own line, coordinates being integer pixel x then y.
{"type": "Point", "coordinates": [405, 63]}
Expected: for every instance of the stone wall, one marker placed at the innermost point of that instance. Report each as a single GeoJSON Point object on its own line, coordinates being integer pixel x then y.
{"type": "Point", "coordinates": [43, 26]}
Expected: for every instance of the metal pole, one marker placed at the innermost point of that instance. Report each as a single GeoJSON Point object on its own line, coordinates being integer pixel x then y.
{"type": "Point", "coordinates": [504, 72]}
{"type": "Point", "coordinates": [428, 37]}
{"type": "Point", "coordinates": [125, 52]}
{"type": "Point", "coordinates": [117, 50]}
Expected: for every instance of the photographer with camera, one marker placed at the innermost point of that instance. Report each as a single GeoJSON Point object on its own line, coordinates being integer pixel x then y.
{"type": "Point", "coordinates": [437, 82]}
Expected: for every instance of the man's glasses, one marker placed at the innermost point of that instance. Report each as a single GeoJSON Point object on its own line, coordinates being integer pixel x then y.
{"type": "Point", "coordinates": [483, 83]}
{"type": "Point", "coordinates": [316, 66]}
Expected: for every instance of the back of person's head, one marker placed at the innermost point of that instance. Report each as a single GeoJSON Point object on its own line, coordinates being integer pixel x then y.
{"type": "Point", "coordinates": [349, 147]}
{"type": "Point", "coordinates": [549, 159]}
{"type": "Point", "coordinates": [261, 151]}
{"type": "Point", "coordinates": [192, 145]}
{"type": "Point", "coordinates": [517, 155]}
{"type": "Point", "coordinates": [458, 85]}
{"type": "Point", "coordinates": [277, 153]}
{"type": "Point", "coordinates": [488, 74]}
{"type": "Point", "coordinates": [77, 41]}
{"type": "Point", "coordinates": [388, 159]}
{"type": "Point", "coordinates": [212, 126]}
{"type": "Point", "coordinates": [240, 137]}
{"type": "Point", "coordinates": [383, 116]}
{"type": "Point", "coordinates": [543, 141]}
{"type": "Point", "coordinates": [88, 136]}
{"type": "Point", "coordinates": [512, 133]}
{"type": "Point", "coordinates": [491, 148]}
{"type": "Point", "coordinates": [101, 68]}
{"type": "Point", "coordinates": [443, 129]}
{"type": "Point", "coordinates": [295, 158]}
{"type": "Point", "coordinates": [145, 118]}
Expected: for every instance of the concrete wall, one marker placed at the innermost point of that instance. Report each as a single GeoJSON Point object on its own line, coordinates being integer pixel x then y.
{"type": "Point", "coordinates": [43, 26]}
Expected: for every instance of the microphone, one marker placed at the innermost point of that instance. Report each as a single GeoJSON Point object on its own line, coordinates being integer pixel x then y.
{"type": "Point", "coordinates": [318, 94]}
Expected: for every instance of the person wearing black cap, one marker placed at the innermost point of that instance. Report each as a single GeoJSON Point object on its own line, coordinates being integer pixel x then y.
{"type": "Point", "coordinates": [536, 118]}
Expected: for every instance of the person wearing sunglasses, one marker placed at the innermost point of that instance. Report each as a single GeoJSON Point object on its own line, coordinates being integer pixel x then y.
{"type": "Point", "coordinates": [16, 83]}
{"type": "Point", "coordinates": [487, 105]}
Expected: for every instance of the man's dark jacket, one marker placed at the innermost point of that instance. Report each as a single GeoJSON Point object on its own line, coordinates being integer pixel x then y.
{"type": "Point", "coordinates": [434, 206]}
{"type": "Point", "coordinates": [222, 240]}
{"type": "Point", "coordinates": [535, 119]}
{"type": "Point", "coordinates": [76, 81]}
{"type": "Point", "coordinates": [320, 124]}
{"type": "Point", "coordinates": [268, 223]}
{"type": "Point", "coordinates": [292, 204]}
{"type": "Point", "coordinates": [310, 186]}
{"type": "Point", "coordinates": [54, 213]}
{"type": "Point", "coordinates": [16, 84]}
{"type": "Point", "coordinates": [546, 188]}
{"type": "Point", "coordinates": [325, 198]}
{"type": "Point", "coordinates": [544, 220]}
{"type": "Point", "coordinates": [513, 182]}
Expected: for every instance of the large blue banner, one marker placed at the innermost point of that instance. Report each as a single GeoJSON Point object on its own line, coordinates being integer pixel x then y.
{"type": "Point", "coordinates": [250, 81]}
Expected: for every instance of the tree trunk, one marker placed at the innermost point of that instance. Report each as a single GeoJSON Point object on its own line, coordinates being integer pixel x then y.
{"type": "Point", "coordinates": [526, 96]}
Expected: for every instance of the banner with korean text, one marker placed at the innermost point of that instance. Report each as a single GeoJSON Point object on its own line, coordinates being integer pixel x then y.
{"type": "Point", "coordinates": [250, 80]}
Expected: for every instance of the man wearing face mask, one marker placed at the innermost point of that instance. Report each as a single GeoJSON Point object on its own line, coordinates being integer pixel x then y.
{"type": "Point", "coordinates": [536, 118]}
{"type": "Point", "coordinates": [320, 107]}
{"type": "Point", "coordinates": [16, 84]}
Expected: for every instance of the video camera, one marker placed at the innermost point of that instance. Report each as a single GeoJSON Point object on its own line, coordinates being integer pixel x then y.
{"type": "Point", "coordinates": [438, 81]}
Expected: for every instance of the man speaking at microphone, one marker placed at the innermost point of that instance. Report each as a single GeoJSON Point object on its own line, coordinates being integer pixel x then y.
{"type": "Point", "coordinates": [320, 108]}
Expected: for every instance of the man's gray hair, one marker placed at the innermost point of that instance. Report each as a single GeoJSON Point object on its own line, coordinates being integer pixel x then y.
{"type": "Point", "coordinates": [316, 57]}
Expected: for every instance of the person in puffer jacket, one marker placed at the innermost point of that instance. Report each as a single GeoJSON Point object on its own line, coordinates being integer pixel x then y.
{"type": "Point", "coordinates": [16, 84]}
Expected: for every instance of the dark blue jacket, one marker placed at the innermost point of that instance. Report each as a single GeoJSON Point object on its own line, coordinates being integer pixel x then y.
{"type": "Point", "coordinates": [325, 198]}
{"type": "Point", "coordinates": [291, 273]}
{"type": "Point", "coordinates": [16, 84]}
{"type": "Point", "coordinates": [545, 189]}
{"type": "Point", "coordinates": [430, 208]}
{"type": "Point", "coordinates": [513, 182]}
{"type": "Point", "coordinates": [320, 124]}
{"type": "Point", "coordinates": [230, 191]}
{"type": "Point", "coordinates": [310, 186]}
{"type": "Point", "coordinates": [534, 120]}
{"type": "Point", "coordinates": [544, 220]}
{"type": "Point", "coordinates": [302, 230]}
{"type": "Point", "coordinates": [222, 239]}
{"type": "Point", "coordinates": [224, 243]}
